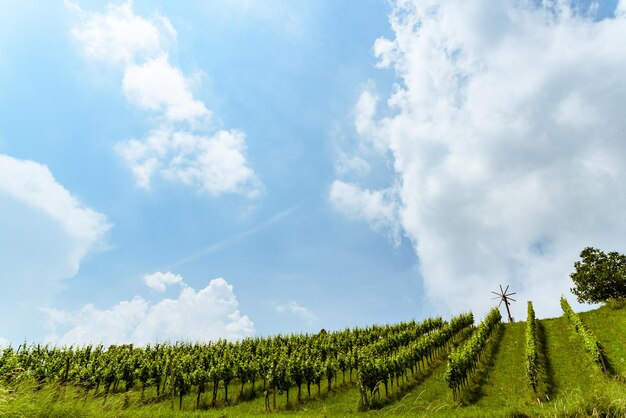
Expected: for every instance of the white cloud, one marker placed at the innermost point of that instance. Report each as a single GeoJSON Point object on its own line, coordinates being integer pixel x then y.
{"type": "Point", "coordinates": [620, 10]}
{"type": "Point", "coordinates": [378, 207]}
{"type": "Point", "coordinates": [295, 309]}
{"type": "Point", "coordinates": [351, 165]}
{"type": "Point", "coordinates": [364, 113]}
{"type": "Point", "coordinates": [208, 314]}
{"type": "Point", "coordinates": [215, 164]}
{"type": "Point", "coordinates": [156, 85]}
{"type": "Point", "coordinates": [46, 234]}
{"type": "Point", "coordinates": [159, 281]}
{"type": "Point", "coordinates": [182, 148]}
{"type": "Point", "coordinates": [119, 36]}
{"type": "Point", "coordinates": [3, 342]}
{"type": "Point", "coordinates": [507, 144]}
{"type": "Point", "coordinates": [33, 184]}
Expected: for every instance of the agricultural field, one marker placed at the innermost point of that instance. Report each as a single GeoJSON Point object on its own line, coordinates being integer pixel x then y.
{"type": "Point", "coordinates": [574, 365]}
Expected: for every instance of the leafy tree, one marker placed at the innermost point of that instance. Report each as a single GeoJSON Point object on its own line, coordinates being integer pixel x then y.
{"type": "Point", "coordinates": [599, 277]}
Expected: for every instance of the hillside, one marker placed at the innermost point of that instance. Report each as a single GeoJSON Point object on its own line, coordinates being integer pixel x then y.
{"type": "Point", "coordinates": [570, 383]}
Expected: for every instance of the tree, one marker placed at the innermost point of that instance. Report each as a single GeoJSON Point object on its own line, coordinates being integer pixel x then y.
{"type": "Point", "coordinates": [599, 276]}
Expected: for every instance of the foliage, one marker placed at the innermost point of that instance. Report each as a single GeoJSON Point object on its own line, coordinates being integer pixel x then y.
{"type": "Point", "coordinates": [381, 362]}
{"type": "Point", "coordinates": [282, 362]}
{"type": "Point", "coordinates": [499, 386]}
{"type": "Point", "coordinates": [599, 277]}
{"type": "Point", "coordinates": [590, 342]}
{"type": "Point", "coordinates": [463, 361]}
{"type": "Point", "coordinates": [532, 355]}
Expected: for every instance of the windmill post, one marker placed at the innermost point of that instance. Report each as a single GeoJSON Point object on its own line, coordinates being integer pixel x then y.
{"type": "Point", "coordinates": [505, 297]}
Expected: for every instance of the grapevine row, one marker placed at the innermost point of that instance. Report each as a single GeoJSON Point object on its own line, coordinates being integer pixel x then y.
{"type": "Point", "coordinates": [532, 355]}
{"type": "Point", "coordinates": [591, 344]}
{"type": "Point", "coordinates": [276, 364]}
{"type": "Point", "coordinates": [463, 361]}
{"type": "Point", "coordinates": [378, 365]}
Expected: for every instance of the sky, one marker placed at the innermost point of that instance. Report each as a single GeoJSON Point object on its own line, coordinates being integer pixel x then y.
{"type": "Point", "coordinates": [221, 169]}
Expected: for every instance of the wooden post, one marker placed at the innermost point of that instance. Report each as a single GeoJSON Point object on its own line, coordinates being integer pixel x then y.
{"type": "Point", "coordinates": [508, 311]}
{"type": "Point", "coordinates": [172, 383]}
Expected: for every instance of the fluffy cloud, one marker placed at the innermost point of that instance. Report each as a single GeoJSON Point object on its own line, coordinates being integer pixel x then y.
{"type": "Point", "coordinates": [378, 207]}
{"type": "Point", "coordinates": [208, 314]}
{"type": "Point", "coordinates": [158, 86]}
{"type": "Point", "coordinates": [214, 165]}
{"type": "Point", "coordinates": [46, 235]}
{"type": "Point", "coordinates": [295, 309]}
{"type": "Point", "coordinates": [3, 342]}
{"type": "Point", "coordinates": [351, 165]}
{"type": "Point", "coordinates": [119, 36]}
{"type": "Point", "coordinates": [507, 143]}
{"type": "Point", "coordinates": [33, 185]}
{"type": "Point", "coordinates": [183, 148]}
{"type": "Point", "coordinates": [159, 281]}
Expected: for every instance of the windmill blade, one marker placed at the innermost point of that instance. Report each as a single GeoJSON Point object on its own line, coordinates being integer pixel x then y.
{"type": "Point", "coordinates": [500, 302]}
{"type": "Point", "coordinates": [497, 297]}
{"type": "Point", "coordinates": [512, 299]}
{"type": "Point", "coordinates": [496, 293]}
{"type": "Point", "coordinates": [507, 288]}
{"type": "Point", "coordinates": [501, 291]}
{"type": "Point", "coordinates": [511, 294]}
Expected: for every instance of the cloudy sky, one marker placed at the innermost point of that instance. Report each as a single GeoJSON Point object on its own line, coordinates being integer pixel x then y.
{"type": "Point", "coordinates": [219, 169]}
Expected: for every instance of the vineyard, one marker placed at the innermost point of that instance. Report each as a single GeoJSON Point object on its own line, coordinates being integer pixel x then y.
{"type": "Point", "coordinates": [570, 365]}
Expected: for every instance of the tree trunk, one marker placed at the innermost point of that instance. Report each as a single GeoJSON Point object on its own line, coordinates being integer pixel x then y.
{"type": "Point", "coordinates": [274, 401]}
{"type": "Point", "coordinates": [106, 392]}
{"type": "Point", "coordinates": [67, 370]}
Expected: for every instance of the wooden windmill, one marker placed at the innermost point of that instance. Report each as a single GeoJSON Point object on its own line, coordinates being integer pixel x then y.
{"type": "Point", "coordinates": [505, 297]}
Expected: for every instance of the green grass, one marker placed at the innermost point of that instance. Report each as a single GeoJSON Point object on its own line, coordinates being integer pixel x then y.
{"type": "Point", "coordinates": [609, 326]}
{"type": "Point", "coordinates": [570, 385]}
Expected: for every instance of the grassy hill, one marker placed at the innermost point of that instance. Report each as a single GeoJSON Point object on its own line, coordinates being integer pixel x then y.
{"type": "Point", "coordinates": [570, 385]}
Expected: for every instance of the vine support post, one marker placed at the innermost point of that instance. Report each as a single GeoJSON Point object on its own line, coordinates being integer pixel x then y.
{"type": "Point", "coordinates": [172, 383]}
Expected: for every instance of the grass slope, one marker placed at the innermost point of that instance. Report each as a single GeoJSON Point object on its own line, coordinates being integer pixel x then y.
{"type": "Point", "coordinates": [571, 385]}
{"type": "Point", "coordinates": [609, 326]}
{"type": "Point", "coordinates": [498, 388]}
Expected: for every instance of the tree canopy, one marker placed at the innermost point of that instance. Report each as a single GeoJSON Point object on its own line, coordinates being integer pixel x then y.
{"type": "Point", "coordinates": [599, 277]}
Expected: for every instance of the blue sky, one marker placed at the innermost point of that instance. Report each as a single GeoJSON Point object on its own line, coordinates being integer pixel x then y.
{"type": "Point", "coordinates": [333, 162]}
